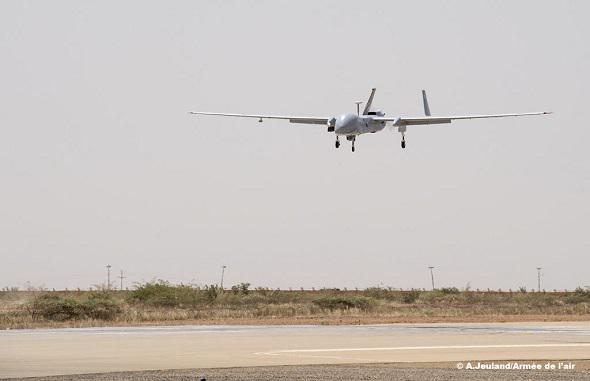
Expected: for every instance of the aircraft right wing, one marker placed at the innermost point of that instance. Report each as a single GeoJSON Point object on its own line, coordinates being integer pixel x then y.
{"type": "Point", "coordinates": [291, 119]}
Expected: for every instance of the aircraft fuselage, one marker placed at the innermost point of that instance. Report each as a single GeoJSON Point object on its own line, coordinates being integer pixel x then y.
{"type": "Point", "coordinates": [352, 125]}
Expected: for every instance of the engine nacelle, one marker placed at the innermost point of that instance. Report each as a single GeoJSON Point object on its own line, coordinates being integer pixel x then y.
{"type": "Point", "coordinates": [331, 124]}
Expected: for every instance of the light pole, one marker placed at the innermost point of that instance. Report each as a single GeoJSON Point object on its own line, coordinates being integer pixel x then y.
{"type": "Point", "coordinates": [222, 273]}
{"type": "Point", "coordinates": [109, 277]}
{"type": "Point", "coordinates": [431, 276]}
{"type": "Point", "coordinates": [539, 279]}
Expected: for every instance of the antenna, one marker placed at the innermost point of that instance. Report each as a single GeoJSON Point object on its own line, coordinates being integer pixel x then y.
{"type": "Point", "coordinates": [358, 107]}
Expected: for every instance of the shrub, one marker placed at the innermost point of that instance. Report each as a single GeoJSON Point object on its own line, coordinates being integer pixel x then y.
{"type": "Point", "coordinates": [579, 291]}
{"type": "Point", "coordinates": [100, 305]}
{"type": "Point", "coordinates": [410, 297]}
{"type": "Point", "coordinates": [54, 307]}
{"type": "Point", "coordinates": [580, 295]}
{"type": "Point", "coordinates": [242, 288]}
{"type": "Point", "coordinates": [163, 294]}
{"type": "Point", "coordinates": [160, 294]}
{"type": "Point", "coordinates": [449, 290]}
{"type": "Point", "coordinates": [344, 302]}
{"type": "Point", "coordinates": [211, 292]}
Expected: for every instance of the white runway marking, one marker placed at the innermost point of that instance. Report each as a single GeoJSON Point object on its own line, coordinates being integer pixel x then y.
{"type": "Point", "coordinates": [501, 346]}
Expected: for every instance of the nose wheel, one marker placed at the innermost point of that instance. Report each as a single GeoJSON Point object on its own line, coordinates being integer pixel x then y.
{"type": "Point", "coordinates": [337, 144]}
{"type": "Point", "coordinates": [351, 138]}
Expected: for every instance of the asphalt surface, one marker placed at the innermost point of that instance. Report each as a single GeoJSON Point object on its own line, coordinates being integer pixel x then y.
{"type": "Point", "coordinates": [46, 352]}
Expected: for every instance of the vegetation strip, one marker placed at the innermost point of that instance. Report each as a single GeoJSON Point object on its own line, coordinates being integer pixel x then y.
{"type": "Point", "coordinates": [157, 302]}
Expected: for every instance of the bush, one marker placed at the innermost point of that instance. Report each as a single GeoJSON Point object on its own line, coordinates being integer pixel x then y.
{"type": "Point", "coordinates": [54, 307]}
{"type": "Point", "coordinates": [344, 302]}
{"type": "Point", "coordinates": [579, 291]}
{"type": "Point", "coordinates": [449, 290]}
{"type": "Point", "coordinates": [580, 295]}
{"type": "Point", "coordinates": [242, 288]}
{"type": "Point", "coordinates": [410, 297]}
{"type": "Point", "coordinates": [211, 292]}
{"type": "Point", "coordinates": [163, 294]}
{"type": "Point", "coordinates": [160, 294]}
{"type": "Point", "coordinates": [100, 305]}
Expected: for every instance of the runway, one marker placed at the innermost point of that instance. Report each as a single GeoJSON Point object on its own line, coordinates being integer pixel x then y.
{"type": "Point", "coordinates": [44, 352]}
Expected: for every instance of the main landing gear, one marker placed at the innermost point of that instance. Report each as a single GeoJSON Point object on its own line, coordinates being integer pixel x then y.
{"type": "Point", "coordinates": [403, 140]}
{"type": "Point", "coordinates": [352, 139]}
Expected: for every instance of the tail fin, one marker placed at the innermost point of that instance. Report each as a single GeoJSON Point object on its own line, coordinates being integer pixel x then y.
{"type": "Point", "coordinates": [426, 108]}
{"type": "Point", "coordinates": [368, 104]}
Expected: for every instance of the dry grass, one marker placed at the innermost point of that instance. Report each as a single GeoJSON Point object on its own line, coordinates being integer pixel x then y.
{"type": "Point", "coordinates": [185, 305]}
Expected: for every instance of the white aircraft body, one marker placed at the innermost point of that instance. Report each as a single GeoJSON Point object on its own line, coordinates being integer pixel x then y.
{"type": "Point", "coordinates": [352, 125]}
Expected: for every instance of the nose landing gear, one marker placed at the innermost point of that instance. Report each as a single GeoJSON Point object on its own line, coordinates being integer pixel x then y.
{"type": "Point", "coordinates": [337, 144]}
{"type": "Point", "coordinates": [351, 138]}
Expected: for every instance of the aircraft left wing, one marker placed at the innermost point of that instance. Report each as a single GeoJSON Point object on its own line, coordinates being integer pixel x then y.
{"type": "Point", "coordinates": [403, 121]}
{"type": "Point", "coordinates": [291, 119]}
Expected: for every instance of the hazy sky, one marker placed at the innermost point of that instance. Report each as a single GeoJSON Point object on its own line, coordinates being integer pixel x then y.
{"type": "Point", "coordinates": [100, 162]}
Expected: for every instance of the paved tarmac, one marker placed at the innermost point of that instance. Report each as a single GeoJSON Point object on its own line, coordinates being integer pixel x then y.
{"type": "Point", "coordinates": [44, 352]}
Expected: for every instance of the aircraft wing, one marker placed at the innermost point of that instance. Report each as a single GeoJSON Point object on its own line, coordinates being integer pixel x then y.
{"type": "Point", "coordinates": [291, 119]}
{"type": "Point", "coordinates": [403, 121]}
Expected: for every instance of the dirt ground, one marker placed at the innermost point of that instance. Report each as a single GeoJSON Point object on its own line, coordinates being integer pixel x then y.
{"type": "Point", "coordinates": [407, 371]}
{"type": "Point", "coordinates": [327, 320]}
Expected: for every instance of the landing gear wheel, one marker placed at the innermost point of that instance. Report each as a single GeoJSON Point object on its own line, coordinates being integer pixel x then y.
{"type": "Point", "coordinates": [403, 144]}
{"type": "Point", "coordinates": [337, 145]}
{"type": "Point", "coordinates": [352, 148]}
